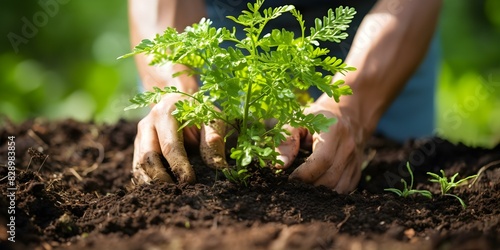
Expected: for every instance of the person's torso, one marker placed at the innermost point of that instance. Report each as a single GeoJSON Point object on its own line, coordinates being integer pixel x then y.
{"type": "Point", "coordinates": [218, 10]}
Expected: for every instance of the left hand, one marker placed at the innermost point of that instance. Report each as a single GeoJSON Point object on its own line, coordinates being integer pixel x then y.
{"type": "Point", "coordinates": [337, 155]}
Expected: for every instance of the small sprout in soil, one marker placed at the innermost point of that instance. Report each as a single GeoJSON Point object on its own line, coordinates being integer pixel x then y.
{"type": "Point", "coordinates": [447, 185]}
{"type": "Point", "coordinates": [254, 79]}
{"type": "Point", "coordinates": [408, 190]}
{"type": "Point", "coordinates": [237, 176]}
{"type": "Point", "coordinates": [481, 170]}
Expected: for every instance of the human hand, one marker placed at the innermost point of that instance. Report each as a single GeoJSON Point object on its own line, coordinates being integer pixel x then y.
{"type": "Point", "coordinates": [337, 155]}
{"type": "Point", "coordinates": [158, 136]}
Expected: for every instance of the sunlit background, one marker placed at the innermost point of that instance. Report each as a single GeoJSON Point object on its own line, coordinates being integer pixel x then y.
{"type": "Point", "coordinates": [59, 61]}
{"type": "Point", "coordinates": [68, 67]}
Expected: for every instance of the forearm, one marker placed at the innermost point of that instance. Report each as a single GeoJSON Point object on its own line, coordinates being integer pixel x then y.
{"type": "Point", "coordinates": [150, 17]}
{"type": "Point", "coordinates": [388, 47]}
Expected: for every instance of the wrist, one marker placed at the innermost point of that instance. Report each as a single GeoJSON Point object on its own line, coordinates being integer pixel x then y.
{"type": "Point", "coordinates": [359, 109]}
{"type": "Point", "coordinates": [162, 76]}
{"type": "Point", "coordinates": [362, 112]}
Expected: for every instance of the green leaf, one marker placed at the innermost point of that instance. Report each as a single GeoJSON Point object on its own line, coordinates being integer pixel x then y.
{"type": "Point", "coordinates": [408, 190]}
{"type": "Point", "coordinates": [459, 200]}
{"type": "Point", "coordinates": [332, 27]}
{"type": "Point", "coordinates": [149, 97]}
{"type": "Point", "coordinates": [394, 190]}
{"type": "Point", "coordinates": [246, 159]}
{"type": "Point", "coordinates": [257, 78]}
{"type": "Point", "coordinates": [266, 152]}
{"type": "Point", "coordinates": [236, 153]}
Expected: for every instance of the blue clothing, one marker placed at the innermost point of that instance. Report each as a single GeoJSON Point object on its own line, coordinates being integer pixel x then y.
{"type": "Point", "coordinates": [411, 115]}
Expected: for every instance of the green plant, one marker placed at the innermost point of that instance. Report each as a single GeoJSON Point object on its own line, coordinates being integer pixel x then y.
{"type": "Point", "coordinates": [237, 175]}
{"type": "Point", "coordinates": [254, 79]}
{"type": "Point", "coordinates": [408, 190]}
{"type": "Point", "coordinates": [447, 185]}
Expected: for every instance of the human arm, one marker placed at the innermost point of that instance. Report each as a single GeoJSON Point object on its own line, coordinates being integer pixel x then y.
{"type": "Point", "coordinates": [150, 17]}
{"type": "Point", "coordinates": [158, 133]}
{"type": "Point", "coordinates": [388, 47]}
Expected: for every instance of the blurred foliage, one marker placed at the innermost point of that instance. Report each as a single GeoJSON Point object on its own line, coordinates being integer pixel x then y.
{"type": "Point", "coordinates": [58, 60]}
{"type": "Point", "coordinates": [468, 98]}
{"type": "Point", "coordinates": [68, 66]}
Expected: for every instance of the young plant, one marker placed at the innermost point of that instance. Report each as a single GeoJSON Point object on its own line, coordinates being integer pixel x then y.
{"type": "Point", "coordinates": [254, 79]}
{"type": "Point", "coordinates": [447, 185]}
{"type": "Point", "coordinates": [408, 190]}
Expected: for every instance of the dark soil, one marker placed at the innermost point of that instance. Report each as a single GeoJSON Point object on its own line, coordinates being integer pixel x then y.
{"type": "Point", "coordinates": [74, 192]}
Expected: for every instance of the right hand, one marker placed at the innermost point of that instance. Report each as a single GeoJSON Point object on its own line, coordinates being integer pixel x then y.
{"type": "Point", "coordinates": [337, 154]}
{"type": "Point", "coordinates": [158, 136]}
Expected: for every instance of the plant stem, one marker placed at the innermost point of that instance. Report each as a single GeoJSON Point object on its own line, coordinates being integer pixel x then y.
{"type": "Point", "coordinates": [253, 52]}
{"type": "Point", "coordinates": [482, 170]}
{"type": "Point", "coordinates": [246, 108]}
{"type": "Point", "coordinates": [216, 114]}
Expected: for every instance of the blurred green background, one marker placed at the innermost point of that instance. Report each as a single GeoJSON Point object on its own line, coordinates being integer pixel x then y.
{"type": "Point", "coordinates": [468, 99]}
{"type": "Point", "coordinates": [66, 66]}
{"type": "Point", "coordinates": [58, 60]}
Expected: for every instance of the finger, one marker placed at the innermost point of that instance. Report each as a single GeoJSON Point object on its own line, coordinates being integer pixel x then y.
{"type": "Point", "coordinates": [337, 177]}
{"type": "Point", "coordinates": [147, 165]}
{"type": "Point", "coordinates": [171, 143]}
{"type": "Point", "coordinates": [212, 146]}
{"type": "Point", "coordinates": [289, 149]}
{"type": "Point", "coordinates": [340, 173]}
{"type": "Point", "coordinates": [317, 163]}
{"type": "Point", "coordinates": [349, 180]}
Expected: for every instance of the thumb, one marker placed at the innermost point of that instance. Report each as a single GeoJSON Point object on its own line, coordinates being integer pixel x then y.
{"type": "Point", "coordinates": [289, 149]}
{"type": "Point", "coordinates": [212, 146]}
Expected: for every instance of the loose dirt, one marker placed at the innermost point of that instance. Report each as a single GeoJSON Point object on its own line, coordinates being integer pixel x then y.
{"type": "Point", "coordinates": [74, 191]}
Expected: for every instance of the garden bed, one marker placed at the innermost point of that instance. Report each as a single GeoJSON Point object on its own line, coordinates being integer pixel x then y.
{"type": "Point", "coordinates": [74, 192]}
